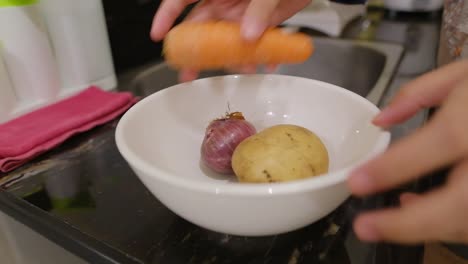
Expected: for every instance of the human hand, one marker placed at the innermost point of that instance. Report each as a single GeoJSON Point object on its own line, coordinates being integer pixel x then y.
{"type": "Point", "coordinates": [253, 15]}
{"type": "Point", "coordinates": [441, 214]}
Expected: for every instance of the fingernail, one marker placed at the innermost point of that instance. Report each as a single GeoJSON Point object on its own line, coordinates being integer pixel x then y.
{"type": "Point", "coordinates": [271, 68]}
{"type": "Point", "coordinates": [377, 119]}
{"type": "Point", "coordinates": [154, 35]}
{"type": "Point", "coordinates": [249, 69]}
{"type": "Point", "coordinates": [384, 117]}
{"type": "Point", "coordinates": [360, 183]}
{"type": "Point", "coordinates": [187, 76]}
{"type": "Point", "coordinates": [381, 116]}
{"type": "Point", "coordinates": [365, 229]}
{"type": "Point", "coordinates": [251, 31]}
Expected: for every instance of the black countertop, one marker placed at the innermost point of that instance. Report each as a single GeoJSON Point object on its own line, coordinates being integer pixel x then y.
{"type": "Point", "coordinates": [86, 189]}
{"type": "Point", "coordinates": [83, 196]}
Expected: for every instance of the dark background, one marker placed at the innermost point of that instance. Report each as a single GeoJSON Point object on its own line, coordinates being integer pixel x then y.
{"type": "Point", "coordinates": [129, 24]}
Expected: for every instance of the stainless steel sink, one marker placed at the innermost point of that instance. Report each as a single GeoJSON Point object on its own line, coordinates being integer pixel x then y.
{"type": "Point", "coordinates": [365, 68]}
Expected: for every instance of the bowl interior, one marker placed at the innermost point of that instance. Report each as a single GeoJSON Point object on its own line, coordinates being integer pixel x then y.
{"type": "Point", "coordinates": [165, 130]}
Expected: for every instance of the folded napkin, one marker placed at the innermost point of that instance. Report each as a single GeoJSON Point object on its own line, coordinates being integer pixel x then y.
{"type": "Point", "coordinates": [32, 134]}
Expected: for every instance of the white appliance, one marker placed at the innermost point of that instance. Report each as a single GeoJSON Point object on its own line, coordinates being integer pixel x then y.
{"type": "Point", "coordinates": [7, 94]}
{"type": "Point", "coordinates": [79, 36]}
{"type": "Point", "coordinates": [27, 57]}
{"type": "Point", "coordinates": [325, 16]}
{"type": "Point", "coordinates": [51, 49]}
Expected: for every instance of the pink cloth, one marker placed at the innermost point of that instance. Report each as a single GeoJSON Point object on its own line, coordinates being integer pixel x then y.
{"type": "Point", "coordinates": [32, 134]}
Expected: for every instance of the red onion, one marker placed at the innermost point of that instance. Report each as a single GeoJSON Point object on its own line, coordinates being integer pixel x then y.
{"type": "Point", "coordinates": [221, 139]}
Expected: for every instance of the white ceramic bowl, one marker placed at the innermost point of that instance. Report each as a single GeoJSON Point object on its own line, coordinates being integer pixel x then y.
{"type": "Point", "coordinates": [160, 138]}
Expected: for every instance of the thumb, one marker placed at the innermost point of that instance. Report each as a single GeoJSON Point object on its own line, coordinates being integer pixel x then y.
{"type": "Point", "coordinates": [257, 18]}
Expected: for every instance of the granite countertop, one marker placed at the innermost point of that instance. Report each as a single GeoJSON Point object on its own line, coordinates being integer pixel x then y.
{"type": "Point", "coordinates": [83, 196]}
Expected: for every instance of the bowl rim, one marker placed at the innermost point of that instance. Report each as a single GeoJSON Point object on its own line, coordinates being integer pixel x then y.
{"type": "Point", "coordinates": [249, 189]}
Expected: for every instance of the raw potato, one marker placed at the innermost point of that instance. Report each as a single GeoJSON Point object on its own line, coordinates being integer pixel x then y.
{"type": "Point", "coordinates": [280, 153]}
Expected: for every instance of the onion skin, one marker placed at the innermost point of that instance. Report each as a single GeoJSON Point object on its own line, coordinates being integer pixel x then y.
{"type": "Point", "coordinates": [222, 136]}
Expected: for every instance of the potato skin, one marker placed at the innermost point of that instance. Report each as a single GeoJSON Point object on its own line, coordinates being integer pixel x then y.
{"type": "Point", "coordinates": [280, 153]}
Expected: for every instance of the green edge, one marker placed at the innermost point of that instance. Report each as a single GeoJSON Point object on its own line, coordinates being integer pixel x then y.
{"type": "Point", "coordinates": [8, 3]}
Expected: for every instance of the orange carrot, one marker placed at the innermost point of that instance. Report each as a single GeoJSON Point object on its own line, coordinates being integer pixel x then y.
{"type": "Point", "coordinates": [218, 44]}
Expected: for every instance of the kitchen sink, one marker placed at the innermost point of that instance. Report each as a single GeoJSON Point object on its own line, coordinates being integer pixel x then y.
{"type": "Point", "coordinates": [365, 68]}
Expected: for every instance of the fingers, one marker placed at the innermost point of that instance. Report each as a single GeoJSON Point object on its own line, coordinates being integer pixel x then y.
{"type": "Point", "coordinates": [257, 18]}
{"type": "Point", "coordinates": [441, 142]}
{"type": "Point", "coordinates": [426, 91]}
{"type": "Point", "coordinates": [247, 69]}
{"type": "Point", "coordinates": [438, 215]}
{"type": "Point", "coordinates": [271, 68]}
{"type": "Point", "coordinates": [287, 9]}
{"type": "Point", "coordinates": [412, 156]}
{"type": "Point", "coordinates": [190, 75]}
{"type": "Point", "coordinates": [201, 12]}
{"type": "Point", "coordinates": [187, 75]}
{"type": "Point", "coordinates": [418, 221]}
{"type": "Point", "coordinates": [165, 17]}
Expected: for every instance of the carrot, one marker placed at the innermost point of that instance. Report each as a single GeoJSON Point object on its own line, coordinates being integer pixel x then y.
{"type": "Point", "coordinates": [218, 44]}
